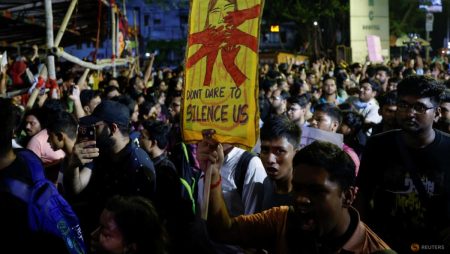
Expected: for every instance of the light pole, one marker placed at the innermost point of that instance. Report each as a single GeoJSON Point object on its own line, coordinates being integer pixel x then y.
{"type": "Point", "coordinates": [428, 28]}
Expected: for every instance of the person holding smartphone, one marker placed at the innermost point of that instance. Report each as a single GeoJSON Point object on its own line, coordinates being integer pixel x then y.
{"type": "Point", "coordinates": [115, 166]}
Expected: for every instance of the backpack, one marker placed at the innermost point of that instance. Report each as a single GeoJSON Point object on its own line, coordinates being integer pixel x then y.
{"type": "Point", "coordinates": [48, 211]}
{"type": "Point", "coordinates": [187, 172]}
{"type": "Point", "coordinates": [241, 170]}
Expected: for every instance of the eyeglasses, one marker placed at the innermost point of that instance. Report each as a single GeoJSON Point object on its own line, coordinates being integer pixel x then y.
{"type": "Point", "coordinates": [419, 108]}
{"type": "Point", "coordinates": [275, 98]}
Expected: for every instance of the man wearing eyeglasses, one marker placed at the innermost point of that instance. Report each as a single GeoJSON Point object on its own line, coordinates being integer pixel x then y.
{"type": "Point", "coordinates": [404, 178]}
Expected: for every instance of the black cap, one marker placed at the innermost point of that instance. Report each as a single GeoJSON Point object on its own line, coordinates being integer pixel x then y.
{"type": "Point", "coordinates": [110, 112]}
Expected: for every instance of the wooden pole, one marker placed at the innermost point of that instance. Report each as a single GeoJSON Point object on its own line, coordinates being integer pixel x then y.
{"type": "Point", "coordinates": [42, 77]}
{"type": "Point", "coordinates": [207, 134]}
{"type": "Point", "coordinates": [101, 64]}
{"type": "Point", "coordinates": [206, 192]}
{"type": "Point", "coordinates": [113, 36]}
{"type": "Point", "coordinates": [65, 21]}
{"type": "Point", "coordinates": [50, 42]}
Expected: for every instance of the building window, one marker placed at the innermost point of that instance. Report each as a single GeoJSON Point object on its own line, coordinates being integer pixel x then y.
{"type": "Point", "coordinates": [146, 19]}
{"type": "Point", "coordinates": [157, 21]}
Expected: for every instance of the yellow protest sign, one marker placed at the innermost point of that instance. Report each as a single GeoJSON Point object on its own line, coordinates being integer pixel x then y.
{"type": "Point", "coordinates": [221, 90]}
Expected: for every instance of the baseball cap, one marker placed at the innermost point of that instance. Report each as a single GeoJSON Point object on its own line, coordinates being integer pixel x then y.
{"type": "Point", "coordinates": [110, 112]}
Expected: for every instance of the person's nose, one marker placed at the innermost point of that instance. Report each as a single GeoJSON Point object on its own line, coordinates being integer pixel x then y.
{"type": "Point", "coordinates": [302, 199]}
{"type": "Point", "coordinates": [272, 159]}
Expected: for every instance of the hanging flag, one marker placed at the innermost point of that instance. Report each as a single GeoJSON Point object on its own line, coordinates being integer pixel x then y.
{"type": "Point", "coordinates": [221, 84]}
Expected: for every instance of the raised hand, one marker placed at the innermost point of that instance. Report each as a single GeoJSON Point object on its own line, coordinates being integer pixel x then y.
{"type": "Point", "coordinates": [84, 153]}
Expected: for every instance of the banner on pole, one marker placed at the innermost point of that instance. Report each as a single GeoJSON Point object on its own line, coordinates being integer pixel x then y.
{"type": "Point", "coordinates": [221, 83]}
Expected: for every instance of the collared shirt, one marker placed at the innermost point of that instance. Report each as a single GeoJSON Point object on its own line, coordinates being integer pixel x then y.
{"type": "Point", "coordinates": [268, 230]}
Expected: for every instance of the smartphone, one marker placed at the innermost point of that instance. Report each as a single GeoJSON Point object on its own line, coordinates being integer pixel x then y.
{"type": "Point", "coordinates": [70, 90]}
{"type": "Point", "coordinates": [86, 133]}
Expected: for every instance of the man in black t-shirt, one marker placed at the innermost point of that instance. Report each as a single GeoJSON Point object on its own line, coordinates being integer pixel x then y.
{"type": "Point", "coordinates": [115, 166]}
{"type": "Point", "coordinates": [404, 174]}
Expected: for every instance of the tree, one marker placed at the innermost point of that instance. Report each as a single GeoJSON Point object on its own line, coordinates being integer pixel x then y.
{"type": "Point", "coordinates": [412, 20]}
{"type": "Point", "coordinates": [331, 15]}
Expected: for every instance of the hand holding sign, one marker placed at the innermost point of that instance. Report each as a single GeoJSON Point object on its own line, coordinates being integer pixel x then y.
{"type": "Point", "coordinates": [210, 156]}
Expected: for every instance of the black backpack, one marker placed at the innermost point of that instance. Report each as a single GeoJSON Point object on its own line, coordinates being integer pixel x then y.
{"type": "Point", "coordinates": [241, 170]}
{"type": "Point", "coordinates": [188, 173]}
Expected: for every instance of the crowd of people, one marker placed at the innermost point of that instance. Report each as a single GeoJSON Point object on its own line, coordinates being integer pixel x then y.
{"type": "Point", "coordinates": [136, 187]}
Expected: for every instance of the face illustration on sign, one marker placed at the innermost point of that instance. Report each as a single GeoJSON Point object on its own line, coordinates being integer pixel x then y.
{"type": "Point", "coordinates": [221, 35]}
{"type": "Point", "coordinates": [217, 10]}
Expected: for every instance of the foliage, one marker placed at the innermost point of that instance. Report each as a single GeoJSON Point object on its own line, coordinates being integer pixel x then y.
{"type": "Point", "coordinates": [332, 14]}
{"type": "Point", "coordinates": [172, 52]}
{"type": "Point", "coordinates": [412, 20]}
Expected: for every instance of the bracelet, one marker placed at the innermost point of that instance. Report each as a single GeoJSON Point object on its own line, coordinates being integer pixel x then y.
{"type": "Point", "coordinates": [212, 186]}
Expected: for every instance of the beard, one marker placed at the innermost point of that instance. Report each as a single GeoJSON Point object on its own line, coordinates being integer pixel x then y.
{"type": "Point", "coordinates": [104, 140]}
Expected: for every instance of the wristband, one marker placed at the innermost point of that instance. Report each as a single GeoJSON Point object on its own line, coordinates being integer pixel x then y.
{"type": "Point", "coordinates": [212, 186]}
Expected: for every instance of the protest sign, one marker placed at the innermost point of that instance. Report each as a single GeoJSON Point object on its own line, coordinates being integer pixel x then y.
{"type": "Point", "coordinates": [374, 48]}
{"type": "Point", "coordinates": [221, 91]}
{"type": "Point", "coordinates": [310, 135]}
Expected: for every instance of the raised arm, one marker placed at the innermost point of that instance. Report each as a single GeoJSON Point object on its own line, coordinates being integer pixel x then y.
{"type": "Point", "coordinates": [148, 71]}
{"type": "Point", "coordinates": [4, 77]}
{"type": "Point", "coordinates": [77, 173]}
{"type": "Point", "coordinates": [75, 97]}
{"type": "Point", "coordinates": [210, 156]}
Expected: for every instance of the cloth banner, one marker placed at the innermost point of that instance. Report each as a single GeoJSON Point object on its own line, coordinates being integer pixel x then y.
{"type": "Point", "coordinates": [221, 90]}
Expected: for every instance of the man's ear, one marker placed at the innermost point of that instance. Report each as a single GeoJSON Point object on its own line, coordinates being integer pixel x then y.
{"type": "Point", "coordinates": [154, 143]}
{"type": "Point", "coordinates": [348, 196]}
{"type": "Point", "coordinates": [335, 126]}
{"type": "Point", "coordinates": [437, 114]}
{"type": "Point", "coordinates": [87, 110]}
{"type": "Point", "coordinates": [60, 136]}
{"type": "Point", "coordinates": [113, 128]}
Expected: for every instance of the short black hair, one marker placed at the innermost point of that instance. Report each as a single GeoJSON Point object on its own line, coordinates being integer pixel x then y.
{"type": "Point", "coordinates": [353, 119]}
{"type": "Point", "coordinates": [109, 89]}
{"type": "Point", "coordinates": [421, 86]}
{"type": "Point", "coordinates": [331, 110]}
{"type": "Point", "coordinates": [9, 117]}
{"type": "Point", "coordinates": [138, 221]}
{"type": "Point", "coordinates": [373, 83]}
{"type": "Point", "coordinates": [330, 157]}
{"type": "Point", "coordinates": [394, 80]}
{"type": "Point", "coordinates": [279, 126]}
{"type": "Point", "coordinates": [145, 108]}
{"type": "Point", "coordinates": [390, 98]}
{"type": "Point", "coordinates": [87, 95]}
{"type": "Point", "coordinates": [445, 96]}
{"type": "Point", "coordinates": [284, 95]}
{"type": "Point", "coordinates": [158, 131]}
{"type": "Point", "coordinates": [385, 69]}
{"type": "Point", "coordinates": [301, 100]}
{"type": "Point", "coordinates": [127, 101]}
{"type": "Point", "coordinates": [64, 122]}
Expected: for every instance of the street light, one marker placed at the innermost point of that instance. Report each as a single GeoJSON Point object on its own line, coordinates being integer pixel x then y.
{"type": "Point", "coordinates": [315, 23]}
